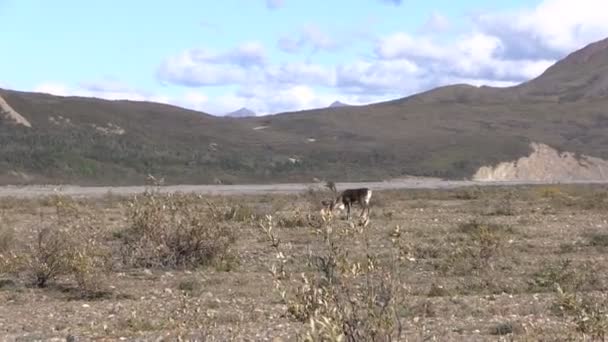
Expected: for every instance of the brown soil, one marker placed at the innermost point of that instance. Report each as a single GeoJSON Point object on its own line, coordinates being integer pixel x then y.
{"type": "Point", "coordinates": [446, 299]}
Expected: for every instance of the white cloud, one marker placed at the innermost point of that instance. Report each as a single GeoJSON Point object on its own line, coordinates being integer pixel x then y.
{"type": "Point", "coordinates": [201, 67]}
{"type": "Point", "coordinates": [272, 100]}
{"type": "Point", "coordinates": [377, 77]}
{"type": "Point", "coordinates": [403, 65]}
{"type": "Point", "coordinates": [550, 30]}
{"type": "Point", "coordinates": [268, 100]}
{"type": "Point", "coordinates": [497, 49]}
{"type": "Point", "coordinates": [106, 85]}
{"type": "Point", "coordinates": [475, 55]}
{"type": "Point", "coordinates": [436, 23]}
{"type": "Point", "coordinates": [311, 37]}
{"type": "Point", "coordinates": [404, 45]}
{"type": "Point", "coordinates": [115, 91]}
{"type": "Point", "coordinates": [194, 100]}
{"type": "Point", "coordinates": [301, 73]}
{"type": "Point", "coordinates": [52, 88]}
{"type": "Point", "coordinates": [263, 100]}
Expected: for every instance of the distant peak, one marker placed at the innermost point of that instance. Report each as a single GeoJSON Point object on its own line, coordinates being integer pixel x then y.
{"type": "Point", "coordinates": [241, 113]}
{"type": "Point", "coordinates": [337, 104]}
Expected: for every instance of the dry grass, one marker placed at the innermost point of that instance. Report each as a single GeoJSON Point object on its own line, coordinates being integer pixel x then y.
{"type": "Point", "coordinates": [177, 231]}
{"type": "Point", "coordinates": [66, 242]}
{"type": "Point", "coordinates": [431, 264]}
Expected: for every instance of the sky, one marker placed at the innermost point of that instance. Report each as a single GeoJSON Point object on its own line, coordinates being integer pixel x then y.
{"type": "Point", "coordinates": [284, 55]}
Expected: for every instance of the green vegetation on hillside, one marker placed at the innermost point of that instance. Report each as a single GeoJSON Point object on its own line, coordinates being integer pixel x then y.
{"type": "Point", "coordinates": [448, 132]}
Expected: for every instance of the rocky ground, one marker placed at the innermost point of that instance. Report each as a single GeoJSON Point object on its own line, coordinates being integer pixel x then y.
{"type": "Point", "coordinates": [467, 264]}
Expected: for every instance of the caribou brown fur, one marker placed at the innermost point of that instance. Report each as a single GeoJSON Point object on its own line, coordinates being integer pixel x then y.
{"type": "Point", "coordinates": [350, 196]}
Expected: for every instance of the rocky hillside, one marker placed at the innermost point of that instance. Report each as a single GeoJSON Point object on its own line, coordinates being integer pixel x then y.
{"type": "Point", "coordinates": [9, 116]}
{"type": "Point", "coordinates": [546, 164]}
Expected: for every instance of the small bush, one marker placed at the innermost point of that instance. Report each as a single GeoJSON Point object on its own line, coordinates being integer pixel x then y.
{"type": "Point", "coordinates": [487, 237]}
{"type": "Point", "coordinates": [561, 273]}
{"type": "Point", "coordinates": [292, 220]}
{"type": "Point", "coordinates": [50, 255]}
{"type": "Point", "coordinates": [597, 200]}
{"type": "Point", "coordinates": [343, 298]}
{"type": "Point", "coordinates": [468, 193]}
{"type": "Point", "coordinates": [228, 211]}
{"type": "Point", "coordinates": [504, 206]}
{"type": "Point", "coordinates": [437, 291]}
{"type": "Point", "coordinates": [192, 286]}
{"type": "Point", "coordinates": [598, 240]}
{"type": "Point", "coordinates": [550, 192]}
{"type": "Point", "coordinates": [68, 244]}
{"type": "Point", "coordinates": [590, 315]}
{"type": "Point", "coordinates": [481, 245]}
{"type": "Point", "coordinates": [502, 329]}
{"type": "Point", "coordinates": [315, 197]}
{"type": "Point", "coordinates": [7, 238]}
{"type": "Point", "coordinates": [173, 230]}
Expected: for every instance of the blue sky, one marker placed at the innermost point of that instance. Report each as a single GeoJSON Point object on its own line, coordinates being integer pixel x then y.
{"type": "Point", "coordinates": [283, 55]}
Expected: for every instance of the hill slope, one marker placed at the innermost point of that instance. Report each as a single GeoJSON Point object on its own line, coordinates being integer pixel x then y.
{"type": "Point", "coordinates": [448, 132]}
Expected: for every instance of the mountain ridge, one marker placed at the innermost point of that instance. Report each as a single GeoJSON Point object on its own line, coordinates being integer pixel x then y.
{"type": "Point", "coordinates": [448, 132]}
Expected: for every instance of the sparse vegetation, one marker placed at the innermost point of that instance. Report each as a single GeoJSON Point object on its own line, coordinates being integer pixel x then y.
{"type": "Point", "coordinates": [502, 329]}
{"type": "Point", "coordinates": [69, 243]}
{"type": "Point", "coordinates": [476, 250]}
{"type": "Point", "coordinates": [347, 296]}
{"type": "Point", "coordinates": [588, 313]}
{"type": "Point", "coordinates": [173, 230]}
{"type": "Point", "coordinates": [7, 238]}
{"type": "Point", "coordinates": [599, 240]}
{"type": "Point", "coordinates": [436, 268]}
{"type": "Point", "coordinates": [92, 141]}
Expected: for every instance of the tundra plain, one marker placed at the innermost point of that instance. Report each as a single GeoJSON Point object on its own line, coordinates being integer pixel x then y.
{"type": "Point", "coordinates": [472, 263]}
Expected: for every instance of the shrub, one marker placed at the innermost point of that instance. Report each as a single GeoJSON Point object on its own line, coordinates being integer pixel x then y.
{"type": "Point", "coordinates": [68, 244]}
{"type": "Point", "coordinates": [293, 219]}
{"type": "Point", "coordinates": [174, 230]}
{"type": "Point", "coordinates": [504, 206]}
{"type": "Point", "coordinates": [502, 329]}
{"type": "Point", "coordinates": [7, 238]}
{"type": "Point", "coordinates": [233, 212]}
{"type": "Point", "coordinates": [315, 196]}
{"type": "Point", "coordinates": [598, 240]}
{"type": "Point", "coordinates": [596, 200]}
{"type": "Point", "coordinates": [192, 286]}
{"type": "Point", "coordinates": [344, 297]}
{"type": "Point", "coordinates": [563, 274]}
{"type": "Point", "coordinates": [590, 315]}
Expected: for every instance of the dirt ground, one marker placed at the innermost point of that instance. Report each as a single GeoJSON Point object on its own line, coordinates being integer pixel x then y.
{"type": "Point", "coordinates": [33, 191]}
{"type": "Point", "coordinates": [508, 263]}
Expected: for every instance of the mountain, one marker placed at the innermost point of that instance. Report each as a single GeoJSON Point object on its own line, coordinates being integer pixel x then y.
{"type": "Point", "coordinates": [450, 132]}
{"type": "Point", "coordinates": [241, 113]}
{"type": "Point", "coordinates": [338, 104]}
{"type": "Point", "coordinates": [582, 74]}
